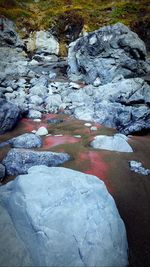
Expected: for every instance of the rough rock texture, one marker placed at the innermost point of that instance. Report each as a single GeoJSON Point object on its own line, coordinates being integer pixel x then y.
{"type": "Point", "coordinates": [9, 115]}
{"type": "Point", "coordinates": [107, 53]}
{"type": "Point", "coordinates": [27, 140]}
{"type": "Point", "coordinates": [137, 167]}
{"type": "Point", "coordinates": [8, 34]}
{"type": "Point", "coordinates": [2, 172]}
{"type": "Point", "coordinates": [118, 142]}
{"type": "Point", "coordinates": [18, 161]}
{"type": "Point", "coordinates": [42, 41]}
{"type": "Point", "coordinates": [64, 218]}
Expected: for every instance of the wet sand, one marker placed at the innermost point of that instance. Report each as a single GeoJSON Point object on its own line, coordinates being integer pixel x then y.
{"type": "Point", "coordinates": [131, 191]}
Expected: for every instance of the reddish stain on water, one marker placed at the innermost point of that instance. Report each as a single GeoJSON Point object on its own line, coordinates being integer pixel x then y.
{"type": "Point", "coordinates": [95, 166]}
{"type": "Point", "coordinates": [51, 141]}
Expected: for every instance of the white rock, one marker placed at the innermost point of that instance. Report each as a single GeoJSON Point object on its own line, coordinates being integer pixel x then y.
{"type": "Point", "coordinates": [77, 136]}
{"type": "Point", "coordinates": [45, 41]}
{"type": "Point", "coordinates": [112, 143]}
{"type": "Point", "coordinates": [93, 128]}
{"type": "Point", "coordinates": [63, 218]}
{"type": "Point", "coordinates": [33, 62]}
{"type": "Point", "coordinates": [42, 131]}
{"type": "Point", "coordinates": [74, 85]}
{"type": "Point", "coordinates": [88, 124]}
{"type": "Point", "coordinates": [34, 114]}
{"type": "Point", "coordinates": [97, 82]}
{"type": "Point", "coordinates": [37, 120]}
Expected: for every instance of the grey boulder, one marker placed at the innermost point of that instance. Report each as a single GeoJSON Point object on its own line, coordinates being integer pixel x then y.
{"type": "Point", "coordinates": [27, 140]}
{"type": "Point", "coordinates": [118, 142]}
{"type": "Point", "coordinates": [2, 172]}
{"type": "Point", "coordinates": [106, 53]}
{"type": "Point", "coordinates": [18, 161]}
{"type": "Point", "coordinates": [63, 218]}
{"type": "Point", "coordinates": [9, 115]}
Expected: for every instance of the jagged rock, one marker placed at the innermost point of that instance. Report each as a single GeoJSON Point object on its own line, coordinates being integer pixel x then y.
{"type": "Point", "coordinates": [18, 161]}
{"type": "Point", "coordinates": [106, 53]}
{"type": "Point", "coordinates": [9, 115]}
{"type": "Point", "coordinates": [27, 140]}
{"type": "Point", "coordinates": [137, 167]}
{"type": "Point", "coordinates": [63, 218]}
{"type": "Point", "coordinates": [34, 114]}
{"type": "Point", "coordinates": [39, 90]}
{"type": "Point", "coordinates": [42, 41]}
{"type": "Point", "coordinates": [2, 172]}
{"type": "Point", "coordinates": [118, 142]}
{"type": "Point", "coordinates": [8, 34]}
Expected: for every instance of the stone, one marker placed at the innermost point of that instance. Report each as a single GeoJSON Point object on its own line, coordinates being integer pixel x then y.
{"type": "Point", "coordinates": [42, 41]}
{"type": "Point", "coordinates": [113, 143]}
{"type": "Point", "coordinates": [18, 161]}
{"type": "Point", "coordinates": [88, 124]}
{"type": "Point", "coordinates": [27, 140]}
{"type": "Point", "coordinates": [9, 115]}
{"type": "Point", "coordinates": [38, 90]}
{"type": "Point", "coordinates": [106, 53]}
{"type": "Point", "coordinates": [55, 121]}
{"type": "Point", "coordinates": [8, 34]}
{"type": "Point", "coordinates": [34, 114]}
{"type": "Point", "coordinates": [137, 167]}
{"type": "Point", "coordinates": [93, 128]}
{"type": "Point", "coordinates": [53, 103]}
{"type": "Point", "coordinates": [63, 218]}
{"type": "Point", "coordinates": [42, 131]}
{"type": "Point", "coordinates": [2, 172]}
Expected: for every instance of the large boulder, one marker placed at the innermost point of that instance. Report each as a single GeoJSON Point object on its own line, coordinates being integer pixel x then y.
{"type": "Point", "coordinates": [8, 33]}
{"type": "Point", "coordinates": [122, 104]}
{"type": "Point", "coordinates": [27, 140]}
{"type": "Point", "coordinates": [63, 218]}
{"type": "Point", "coordinates": [18, 161]}
{"type": "Point", "coordinates": [9, 115]}
{"type": "Point", "coordinates": [118, 142]}
{"type": "Point", "coordinates": [42, 41]}
{"type": "Point", "coordinates": [106, 53]}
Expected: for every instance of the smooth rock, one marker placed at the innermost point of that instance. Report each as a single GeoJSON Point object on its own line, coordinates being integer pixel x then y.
{"type": "Point", "coordinates": [42, 131]}
{"type": "Point", "coordinates": [18, 160]}
{"type": "Point", "coordinates": [112, 143]}
{"type": "Point", "coordinates": [64, 218]}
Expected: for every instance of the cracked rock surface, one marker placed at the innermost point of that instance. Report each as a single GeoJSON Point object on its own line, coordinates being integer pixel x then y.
{"type": "Point", "coordinates": [64, 218]}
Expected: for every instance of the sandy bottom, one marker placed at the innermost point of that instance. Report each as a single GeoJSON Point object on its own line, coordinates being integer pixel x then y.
{"type": "Point", "coordinates": [131, 191]}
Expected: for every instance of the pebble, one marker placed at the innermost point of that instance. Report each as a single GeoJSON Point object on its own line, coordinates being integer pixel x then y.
{"type": "Point", "coordinates": [37, 120]}
{"type": "Point", "coordinates": [42, 131]}
{"type": "Point", "coordinates": [93, 128]}
{"type": "Point", "coordinates": [77, 136]}
{"type": "Point", "coordinates": [88, 124]}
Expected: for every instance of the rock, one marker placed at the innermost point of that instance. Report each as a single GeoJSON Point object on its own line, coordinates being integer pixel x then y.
{"type": "Point", "coordinates": [54, 121]}
{"type": "Point", "coordinates": [12, 246]}
{"type": "Point", "coordinates": [34, 114]}
{"type": "Point", "coordinates": [2, 172]}
{"type": "Point", "coordinates": [35, 99]}
{"type": "Point", "coordinates": [88, 124]}
{"type": "Point", "coordinates": [63, 218]}
{"type": "Point", "coordinates": [97, 82]}
{"type": "Point", "coordinates": [42, 131]}
{"type": "Point", "coordinates": [53, 103]}
{"type": "Point", "coordinates": [27, 140]}
{"type": "Point", "coordinates": [106, 53]}
{"type": "Point", "coordinates": [38, 90]}
{"type": "Point", "coordinates": [9, 116]}
{"type": "Point", "coordinates": [42, 41]}
{"type": "Point", "coordinates": [8, 34]}
{"type": "Point", "coordinates": [118, 142]}
{"type": "Point", "coordinates": [137, 167]}
{"type": "Point", "coordinates": [18, 161]}
{"type": "Point", "coordinates": [93, 128]}
{"type": "Point", "coordinates": [52, 75]}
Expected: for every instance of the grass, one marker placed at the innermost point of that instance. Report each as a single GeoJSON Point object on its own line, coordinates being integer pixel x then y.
{"type": "Point", "coordinates": [56, 13]}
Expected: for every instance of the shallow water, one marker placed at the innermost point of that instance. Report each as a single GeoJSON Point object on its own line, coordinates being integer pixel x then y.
{"type": "Point", "coordinates": [131, 191]}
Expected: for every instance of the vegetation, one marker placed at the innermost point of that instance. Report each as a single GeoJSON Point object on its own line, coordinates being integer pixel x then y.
{"type": "Point", "coordinates": [43, 14]}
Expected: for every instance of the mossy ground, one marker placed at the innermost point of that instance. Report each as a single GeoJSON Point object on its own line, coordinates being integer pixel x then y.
{"type": "Point", "coordinates": [44, 14]}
